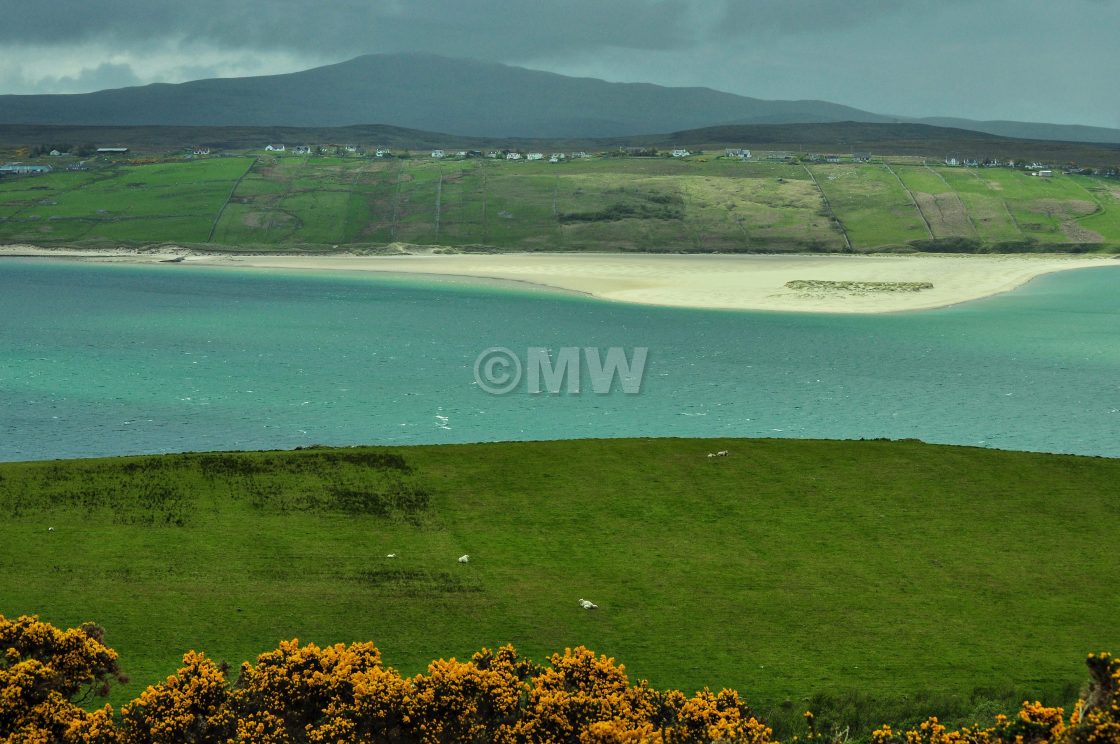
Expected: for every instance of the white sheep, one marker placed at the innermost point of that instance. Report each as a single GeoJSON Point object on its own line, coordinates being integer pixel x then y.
{"type": "Point", "coordinates": [722, 453]}
{"type": "Point", "coordinates": [588, 605]}
{"type": "Point", "coordinates": [391, 555]}
{"type": "Point", "coordinates": [464, 559]}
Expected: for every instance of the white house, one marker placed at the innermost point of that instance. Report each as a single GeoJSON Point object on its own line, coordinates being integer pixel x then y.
{"type": "Point", "coordinates": [952, 161]}
{"type": "Point", "coordinates": [202, 151]}
{"type": "Point", "coordinates": [437, 154]}
{"type": "Point", "coordinates": [55, 153]}
{"type": "Point", "coordinates": [382, 152]}
{"type": "Point", "coordinates": [513, 156]}
{"type": "Point", "coordinates": [737, 152]}
{"type": "Point", "coordinates": [680, 153]}
{"type": "Point", "coordinates": [303, 150]}
{"type": "Point", "coordinates": [1044, 173]}
{"type": "Point", "coordinates": [493, 154]}
{"type": "Point", "coordinates": [535, 156]}
{"type": "Point", "coordinates": [275, 148]}
{"type": "Point", "coordinates": [580, 155]}
{"type": "Point", "coordinates": [556, 157]}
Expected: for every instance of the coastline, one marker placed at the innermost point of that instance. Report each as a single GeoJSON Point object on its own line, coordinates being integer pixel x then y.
{"type": "Point", "coordinates": [712, 281]}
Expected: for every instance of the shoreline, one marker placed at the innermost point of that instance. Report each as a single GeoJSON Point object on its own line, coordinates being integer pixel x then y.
{"type": "Point", "coordinates": [706, 281]}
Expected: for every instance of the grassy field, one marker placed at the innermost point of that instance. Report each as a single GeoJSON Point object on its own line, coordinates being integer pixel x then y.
{"type": "Point", "coordinates": [914, 574]}
{"type": "Point", "coordinates": [697, 204]}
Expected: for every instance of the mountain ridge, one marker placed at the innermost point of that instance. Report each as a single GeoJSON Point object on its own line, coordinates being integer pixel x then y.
{"type": "Point", "coordinates": [462, 97]}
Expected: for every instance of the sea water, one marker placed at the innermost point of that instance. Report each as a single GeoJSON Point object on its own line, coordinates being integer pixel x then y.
{"type": "Point", "coordinates": [100, 359]}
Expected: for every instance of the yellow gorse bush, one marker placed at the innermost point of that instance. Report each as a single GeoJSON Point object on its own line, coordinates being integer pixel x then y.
{"type": "Point", "coordinates": [340, 693]}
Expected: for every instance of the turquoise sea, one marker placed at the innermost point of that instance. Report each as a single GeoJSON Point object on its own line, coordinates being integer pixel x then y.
{"type": "Point", "coordinates": [113, 359]}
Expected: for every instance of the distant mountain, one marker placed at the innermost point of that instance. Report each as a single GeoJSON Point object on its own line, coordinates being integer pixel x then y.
{"type": "Point", "coordinates": [461, 97]}
{"type": "Point", "coordinates": [425, 92]}
{"type": "Point", "coordinates": [1030, 130]}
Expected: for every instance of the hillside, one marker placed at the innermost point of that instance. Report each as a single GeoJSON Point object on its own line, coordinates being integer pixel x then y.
{"type": "Point", "coordinates": [903, 570]}
{"type": "Point", "coordinates": [259, 201]}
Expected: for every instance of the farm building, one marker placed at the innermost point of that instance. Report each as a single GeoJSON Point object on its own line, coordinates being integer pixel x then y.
{"type": "Point", "coordinates": [952, 160]}
{"type": "Point", "coordinates": [679, 153]}
{"type": "Point", "coordinates": [513, 156]}
{"type": "Point", "coordinates": [382, 152]}
{"type": "Point", "coordinates": [738, 152]}
{"type": "Point", "coordinates": [112, 150]}
{"type": "Point", "coordinates": [19, 169]}
{"type": "Point", "coordinates": [535, 156]}
{"type": "Point", "coordinates": [437, 154]}
{"type": "Point", "coordinates": [861, 157]}
{"type": "Point", "coordinates": [832, 158]}
{"type": "Point", "coordinates": [202, 151]}
{"type": "Point", "coordinates": [275, 148]}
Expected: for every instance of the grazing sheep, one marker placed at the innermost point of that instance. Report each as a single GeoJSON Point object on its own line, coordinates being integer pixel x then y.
{"type": "Point", "coordinates": [587, 605]}
{"type": "Point", "coordinates": [721, 453]}
{"type": "Point", "coordinates": [50, 529]}
{"type": "Point", "coordinates": [391, 555]}
{"type": "Point", "coordinates": [464, 559]}
{"type": "Point", "coordinates": [711, 454]}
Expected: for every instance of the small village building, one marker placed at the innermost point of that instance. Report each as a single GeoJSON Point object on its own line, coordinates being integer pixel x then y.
{"type": "Point", "coordinates": [535, 156]}
{"type": "Point", "coordinates": [513, 156]}
{"type": "Point", "coordinates": [275, 148]}
{"type": "Point", "coordinates": [861, 157]}
{"type": "Point", "coordinates": [680, 153]}
{"type": "Point", "coordinates": [202, 151]}
{"type": "Point", "coordinates": [54, 153]}
{"type": "Point", "coordinates": [112, 150]}
{"type": "Point", "coordinates": [741, 154]}
{"type": "Point", "coordinates": [382, 152]}
{"type": "Point", "coordinates": [437, 154]}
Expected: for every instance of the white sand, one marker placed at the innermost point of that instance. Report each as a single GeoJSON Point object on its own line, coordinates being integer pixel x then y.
{"type": "Point", "coordinates": [754, 282]}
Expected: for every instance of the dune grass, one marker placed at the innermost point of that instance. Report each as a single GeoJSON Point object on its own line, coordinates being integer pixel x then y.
{"type": "Point", "coordinates": [874, 572]}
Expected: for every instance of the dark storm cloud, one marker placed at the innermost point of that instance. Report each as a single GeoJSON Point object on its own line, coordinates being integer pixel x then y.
{"type": "Point", "coordinates": [492, 29]}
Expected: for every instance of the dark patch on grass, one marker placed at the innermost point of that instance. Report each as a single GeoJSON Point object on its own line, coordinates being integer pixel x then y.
{"type": "Point", "coordinates": [413, 582]}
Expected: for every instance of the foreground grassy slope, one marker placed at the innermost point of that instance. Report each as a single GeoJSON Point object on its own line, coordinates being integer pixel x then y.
{"type": "Point", "coordinates": [785, 569]}
{"type": "Point", "coordinates": [656, 204]}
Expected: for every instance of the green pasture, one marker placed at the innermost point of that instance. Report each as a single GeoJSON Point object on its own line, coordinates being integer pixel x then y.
{"type": "Point", "coordinates": [697, 204]}
{"type": "Point", "coordinates": [789, 569]}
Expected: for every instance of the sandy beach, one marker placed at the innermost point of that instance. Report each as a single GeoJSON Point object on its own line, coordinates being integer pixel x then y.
{"type": "Point", "coordinates": [734, 282]}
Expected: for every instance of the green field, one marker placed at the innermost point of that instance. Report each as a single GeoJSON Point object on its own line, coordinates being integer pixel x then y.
{"type": "Point", "coordinates": [698, 204]}
{"type": "Point", "coordinates": [908, 572]}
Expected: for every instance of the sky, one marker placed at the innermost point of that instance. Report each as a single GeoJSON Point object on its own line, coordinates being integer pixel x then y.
{"type": "Point", "coordinates": [1029, 60]}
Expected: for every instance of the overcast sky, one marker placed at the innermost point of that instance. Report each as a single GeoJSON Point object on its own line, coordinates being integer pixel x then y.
{"type": "Point", "coordinates": [1030, 60]}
